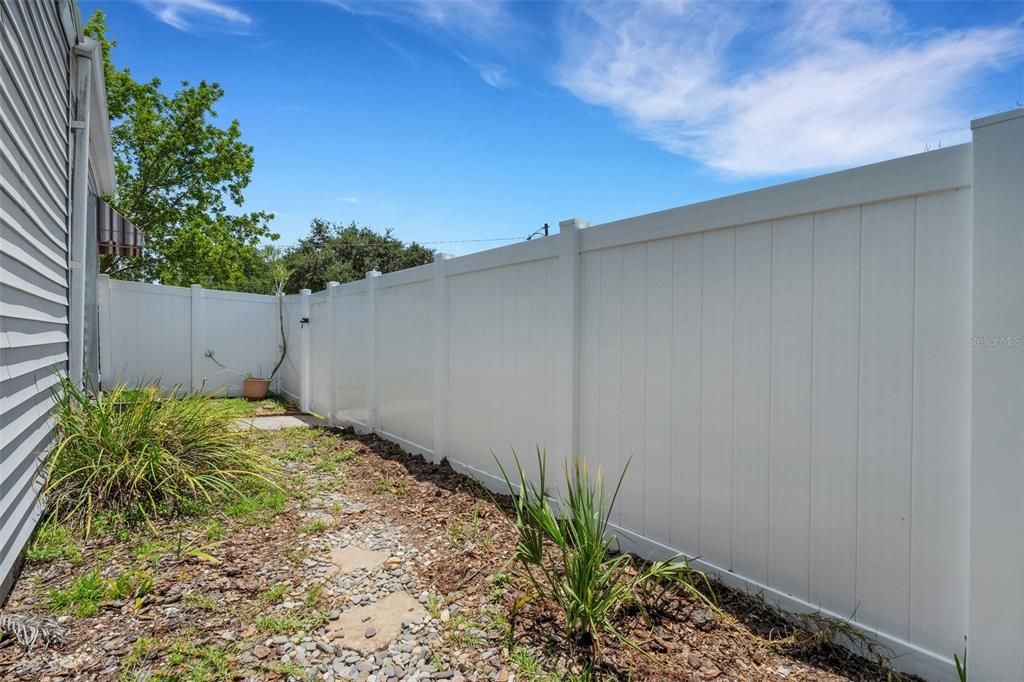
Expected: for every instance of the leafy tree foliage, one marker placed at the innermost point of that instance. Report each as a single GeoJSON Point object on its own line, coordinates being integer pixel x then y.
{"type": "Point", "coordinates": [333, 252]}
{"type": "Point", "coordinates": [179, 175]}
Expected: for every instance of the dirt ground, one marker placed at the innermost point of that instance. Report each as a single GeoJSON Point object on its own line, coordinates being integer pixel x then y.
{"type": "Point", "coordinates": [246, 591]}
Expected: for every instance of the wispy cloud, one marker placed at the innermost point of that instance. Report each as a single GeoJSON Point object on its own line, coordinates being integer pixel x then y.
{"type": "Point", "coordinates": [752, 90]}
{"type": "Point", "coordinates": [349, 200]}
{"type": "Point", "coordinates": [493, 74]}
{"type": "Point", "coordinates": [474, 18]}
{"type": "Point", "coordinates": [185, 15]}
{"type": "Point", "coordinates": [455, 23]}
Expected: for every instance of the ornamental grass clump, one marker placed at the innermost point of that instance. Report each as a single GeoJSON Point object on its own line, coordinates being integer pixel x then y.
{"type": "Point", "coordinates": [135, 455]}
{"type": "Point", "coordinates": [573, 562]}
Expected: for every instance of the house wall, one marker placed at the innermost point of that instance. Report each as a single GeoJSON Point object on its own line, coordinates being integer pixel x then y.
{"type": "Point", "coordinates": [34, 217]}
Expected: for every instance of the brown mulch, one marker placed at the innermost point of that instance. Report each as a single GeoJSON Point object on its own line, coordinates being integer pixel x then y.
{"type": "Point", "coordinates": [465, 539]}
{"type": "Point", "coordinates": [686, 641]}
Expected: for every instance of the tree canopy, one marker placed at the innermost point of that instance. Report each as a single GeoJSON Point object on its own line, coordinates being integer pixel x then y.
{"type": "Point", "coordinates": [334, 252]}
{"type": "Point", "coordinates": [181, 178]}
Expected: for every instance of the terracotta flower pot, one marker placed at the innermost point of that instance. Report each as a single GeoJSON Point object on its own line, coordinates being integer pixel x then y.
{"type": "Point", "coordinates": [255, 389]}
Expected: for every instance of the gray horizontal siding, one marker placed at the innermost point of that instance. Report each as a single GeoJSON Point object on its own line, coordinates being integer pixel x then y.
{"type": "Point", "coordinates": [34, 186]}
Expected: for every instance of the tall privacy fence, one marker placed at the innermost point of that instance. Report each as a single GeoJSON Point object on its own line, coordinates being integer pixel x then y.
{"type": "Point", "coordinates": [820, 384]}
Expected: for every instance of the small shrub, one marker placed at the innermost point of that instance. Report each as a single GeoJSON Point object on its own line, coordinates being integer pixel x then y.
{"type": "Point", "coordinates": [138, 455]}
{"type": "Point", "coordinates": [570, 558]}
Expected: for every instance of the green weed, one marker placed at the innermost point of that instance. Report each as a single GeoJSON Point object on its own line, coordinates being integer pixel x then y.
{"type": "Point", "coordinates": [275, 593]}
{"type": "Point", "coordinates": [53, 541]}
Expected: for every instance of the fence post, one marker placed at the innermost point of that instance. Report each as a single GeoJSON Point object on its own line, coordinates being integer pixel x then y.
{"type": "Point", "coordinates": [372, 414]}
{"type": "Point", "coordinates": [568, 340]}
{"type": "Point", "coordinates": [332, 334]}
{"type": "Point", "coordinates": [198, 337]}
{"type": "Point", "coordinates": [304, 351]}
{"type": "Point", "coordinates": [996, 553]}
{"type": "Point", "coordinates": [104, 333]}
{"type": "Point", "coordinates": [440, 356]}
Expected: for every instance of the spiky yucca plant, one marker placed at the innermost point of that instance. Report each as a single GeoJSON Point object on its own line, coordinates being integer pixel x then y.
{"type": "Point", "coordinates": [138, 454]}
{"type": "Point", "coordinates": [571, 558]}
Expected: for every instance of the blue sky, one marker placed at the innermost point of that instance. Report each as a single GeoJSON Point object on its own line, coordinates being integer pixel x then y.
{"type": "Point", "coordinates": [475, 120]}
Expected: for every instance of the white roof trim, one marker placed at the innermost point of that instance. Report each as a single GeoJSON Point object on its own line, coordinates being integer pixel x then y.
{"type": "Point", "coordinates": [101, 153]}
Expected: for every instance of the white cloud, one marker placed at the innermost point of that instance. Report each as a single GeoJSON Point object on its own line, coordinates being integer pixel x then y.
{"type": "Point", "coordinates": [754, 89]}
{"type": "Point", "coordinates": [494, 75]}
{"type": "Point", "coordinates": [477, 19]}
{"type": "Point", "coordinates": [482, 24]}
{"type": "Point", "coordinates": [349, 200]}
{"type": "Point", "coordinates": [182, 14]}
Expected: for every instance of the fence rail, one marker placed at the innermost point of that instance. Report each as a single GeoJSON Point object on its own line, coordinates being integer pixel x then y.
{"type": "Point", "coordinates": [791, 371]}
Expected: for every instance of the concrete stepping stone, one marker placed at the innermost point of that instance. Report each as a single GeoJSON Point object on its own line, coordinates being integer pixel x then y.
{"type": "Point", "coordinates": [368, 628]}
{"type": "Point", "coordinates": [351, 558]}
{"type": "Point", "coordinates": [278, 422]}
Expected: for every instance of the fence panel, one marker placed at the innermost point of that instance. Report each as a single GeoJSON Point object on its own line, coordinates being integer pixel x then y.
{"type": "Point", "coordinates": [149, 336]}
{"type": "Point", "coordinates": [501, 321]}
{"type": "Point", "coordinates": [289, 379]}
{"type": "Point", "coordinates": [788, 372]}
{"type": "Point", "coordinates": [243, 333]}
{"type": "Point", "coordinates": [320, 354]}
{"type": "Point", "coordinates": [351, 355]}
{"type": "Point", "coordinates": [404, 358]}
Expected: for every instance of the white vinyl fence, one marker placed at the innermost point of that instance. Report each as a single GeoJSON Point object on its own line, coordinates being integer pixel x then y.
{"type": "Point", "coordinates": [166, 335]}
{"type": "Point", "coordinates": [794, 373]}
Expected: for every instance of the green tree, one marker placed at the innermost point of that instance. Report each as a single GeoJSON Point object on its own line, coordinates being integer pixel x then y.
{"type": "Point", "coordinates": [333, 252]}
{"type": "Point", "coordinates": [179, 178]}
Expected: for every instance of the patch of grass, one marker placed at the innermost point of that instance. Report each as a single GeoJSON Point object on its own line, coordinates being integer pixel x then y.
{"type": "Point", "coordinates": [333, 460]}
{"type": "Point", "coordinates": [199, 663]}
{"type": "Point", "coordinates": [137, 456]}
{"type": "Point", "coordinates": [313, 596]}
{"type": "Point", "coordinates": [200, 601]}
{"type": "Point", "coordinates": [314, 527]}
{"type": "Point", "coordinates": [82, 598]}
{"type": "Point", "coordinates": [290, 624]}
{"type": "Point", "coordinates": [87, 593]}
{"type": "Point", "coordinates": [461, 631]}
{"type": "Point", "coordinates": [467, 530]}
{"type": "Point", "coordinates": [385, 483]}
{"type": "Point", "coordinates": [144, 649]}
{"type": "Point", "coordinates": [287, 670]}
{"type": "Point", "coordinates": [150, 551]}
{"type": "Point", "coordinates": [243, 407]}
{"type": "Point", "coordinates": [433, 606]}
{"type": "Point", "coordinates": [526, 662]}
{"type": "Point", "coordinates": [51, 542]}
{"type": "Point", "coordinates": [215, 532]}
{"type": "Point", "coordinates": [257, 506]}
{"type": "Point", "coordinates": [275, 593]}
{"type": "Point", "coordinates": [134, 584]}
